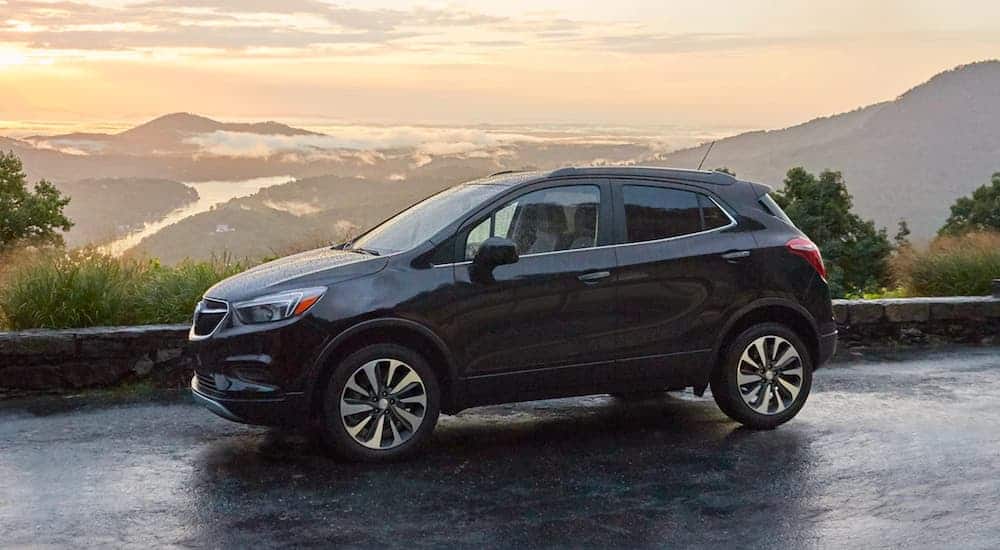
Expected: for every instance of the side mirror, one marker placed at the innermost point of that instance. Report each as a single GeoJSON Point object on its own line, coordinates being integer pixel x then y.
{"type": "Point", "coordinates": [495, 251]}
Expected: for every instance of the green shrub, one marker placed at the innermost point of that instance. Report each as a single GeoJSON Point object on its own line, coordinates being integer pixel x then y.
{"type": "Point", "coordinates": [83, 288]}
{"type": "Point", "coordinates": [878, 294]}
{"type": "Point", "coordinates": [172, 292]}
{"type": "Point", "coordinates": [951, 266]}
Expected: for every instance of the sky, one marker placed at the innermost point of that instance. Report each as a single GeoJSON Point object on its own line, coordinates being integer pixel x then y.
{"type": "Point", "coordinates": [739, 64]}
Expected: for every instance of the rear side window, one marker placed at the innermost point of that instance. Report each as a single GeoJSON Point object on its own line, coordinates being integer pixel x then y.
{"type": "Point", "coordinates": [714, 216]}
{"type": "Point", "coordinates": [773, 209]}
{"type": "Point", "coordinates": [653, 213]}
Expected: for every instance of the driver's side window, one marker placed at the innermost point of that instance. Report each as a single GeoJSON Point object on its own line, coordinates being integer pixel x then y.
{"type": "Point", "coordinates": [548, 220]}
{"type": "Point", "coordinates": [498, 224]}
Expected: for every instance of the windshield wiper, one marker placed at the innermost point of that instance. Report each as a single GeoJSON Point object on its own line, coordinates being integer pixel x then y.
{"type": "Point", "coordinates": [349, 246]}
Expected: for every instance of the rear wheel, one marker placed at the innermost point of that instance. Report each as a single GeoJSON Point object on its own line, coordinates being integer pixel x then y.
{"type": "Point", "coordinates": [381, 403]}
{"type": "Point", "coordinates": [764, 378]}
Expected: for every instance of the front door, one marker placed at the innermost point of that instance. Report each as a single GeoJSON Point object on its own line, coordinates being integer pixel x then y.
{"type": "Point", "coordinates": [544, 323]}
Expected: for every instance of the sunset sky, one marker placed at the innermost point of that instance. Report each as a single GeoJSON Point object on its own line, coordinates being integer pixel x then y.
{"type": "Point", "coordinates": [747, 63]}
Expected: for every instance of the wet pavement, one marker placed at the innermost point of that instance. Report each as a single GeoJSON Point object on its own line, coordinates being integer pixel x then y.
{"type": "Point", "coordinates": [896, 451]}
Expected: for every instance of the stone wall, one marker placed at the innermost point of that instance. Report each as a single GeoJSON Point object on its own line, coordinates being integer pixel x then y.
{"type": "Point", "coordinates": [916, 321]}
{"type": "Point", "coordinates": [68, 360]}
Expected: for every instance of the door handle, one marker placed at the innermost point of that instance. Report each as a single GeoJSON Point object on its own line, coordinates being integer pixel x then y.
{"type": "Point", "coordinates": [594, 276]}
{"type": "Point", "coordinates": [736, 255]}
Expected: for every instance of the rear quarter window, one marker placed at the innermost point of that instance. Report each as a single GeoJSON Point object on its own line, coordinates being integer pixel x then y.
{"type": "Point", "coordinates": [772, 208]}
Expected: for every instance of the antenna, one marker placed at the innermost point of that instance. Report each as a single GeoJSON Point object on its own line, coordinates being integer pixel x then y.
{"type": "Point", "coordinates": [710, 145]}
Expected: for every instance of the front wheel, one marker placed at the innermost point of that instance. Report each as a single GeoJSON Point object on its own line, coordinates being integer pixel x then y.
{"type": "Point", "coordinates": [381, 403]}
{"type": "Point", "coordinates": [764, 378]}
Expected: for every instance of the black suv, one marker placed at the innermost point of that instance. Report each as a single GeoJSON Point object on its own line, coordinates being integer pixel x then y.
{"type": "Point", "coordinates": [524, 286]}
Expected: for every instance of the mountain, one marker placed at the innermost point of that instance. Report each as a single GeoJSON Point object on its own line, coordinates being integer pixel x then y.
{"type": "Point", "coordinates": [168, 134]}
{"type": "Point", "coordinates": [908, 158]}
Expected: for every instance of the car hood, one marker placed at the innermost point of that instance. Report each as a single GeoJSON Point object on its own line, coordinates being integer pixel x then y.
{"type": "Point", "coordinates": [320, 267]}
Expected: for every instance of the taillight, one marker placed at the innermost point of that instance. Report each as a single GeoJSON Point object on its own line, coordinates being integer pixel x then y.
{"type": "Point", "coordinates": [800, 246]}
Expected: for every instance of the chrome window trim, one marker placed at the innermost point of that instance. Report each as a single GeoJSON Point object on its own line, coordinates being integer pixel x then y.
{"type": "Point", "coordinates": [197, 310]}
{"type": "Point", "coordinates": [732, 223]}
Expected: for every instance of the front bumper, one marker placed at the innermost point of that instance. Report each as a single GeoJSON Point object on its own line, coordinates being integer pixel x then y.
{"type": "Point", "coordinates": [286, 410]}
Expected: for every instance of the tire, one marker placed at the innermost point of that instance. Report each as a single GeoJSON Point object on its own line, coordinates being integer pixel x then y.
{"type": "Point", "coordinates": [362, 422]}
{"type": "Point", "coordinates": [763, 396]}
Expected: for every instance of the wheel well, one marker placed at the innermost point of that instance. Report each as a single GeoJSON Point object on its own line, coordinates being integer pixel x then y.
{"type": "Point", "coordinates": [399, 335]}
{"type": "Point", "coordinates": [787, 316]}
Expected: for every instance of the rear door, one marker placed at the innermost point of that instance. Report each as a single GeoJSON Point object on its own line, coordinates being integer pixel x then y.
{"type": "Point", "coordinates": [547, 321]}
{"type": "Point", "coordinates": [682, 263]}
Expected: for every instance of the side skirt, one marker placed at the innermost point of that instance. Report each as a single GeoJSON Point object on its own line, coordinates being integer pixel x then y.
{"type": "Point", "coordinates": [637, 373]}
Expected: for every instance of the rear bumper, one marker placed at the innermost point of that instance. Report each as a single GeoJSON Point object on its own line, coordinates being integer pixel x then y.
{"type": "Point", "coordinates": [827, 347]}
{"type": "Point", "coordinates": [286, 410]}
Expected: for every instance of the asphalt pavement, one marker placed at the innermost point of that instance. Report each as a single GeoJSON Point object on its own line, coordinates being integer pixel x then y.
{"type": "Point", "coordinates": [899, 450]}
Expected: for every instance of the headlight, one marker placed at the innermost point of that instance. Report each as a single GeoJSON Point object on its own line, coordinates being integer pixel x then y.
{"type": "Point", "coordinates": [275, 307]}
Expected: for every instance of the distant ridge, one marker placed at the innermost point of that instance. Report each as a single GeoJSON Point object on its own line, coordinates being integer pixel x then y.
{"type": "Point", "coordinates": [166, 134]}
{"type": "Point", "coordinates": [176, 123]}
{"type": "Point", "coordinates": [907, 158]}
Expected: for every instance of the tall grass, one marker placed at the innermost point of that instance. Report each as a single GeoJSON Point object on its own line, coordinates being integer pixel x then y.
{"type": "Point", "coordinates": [82, 288]}
{"type": "Point", "coordinates": [950, 266]}
{"type": "Point", "coordinates": [172, 292]}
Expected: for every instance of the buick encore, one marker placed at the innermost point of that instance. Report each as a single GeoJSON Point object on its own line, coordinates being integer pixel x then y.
{"type": "Point", "coordinates": [523, 286]}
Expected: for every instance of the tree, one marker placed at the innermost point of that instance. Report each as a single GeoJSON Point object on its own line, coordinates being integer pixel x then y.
{"type": "Point", "coordinates": [855, 252]}
{"type": "Point", "coordinates": [902, 238]}
{"type": "Point", "coordinates": [28, 217]}
{"type": "Point", "coordinates": [980, 212]}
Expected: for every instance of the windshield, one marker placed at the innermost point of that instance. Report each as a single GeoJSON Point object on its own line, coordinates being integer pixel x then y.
{"type": "Point", "coordinates": [421, 221]}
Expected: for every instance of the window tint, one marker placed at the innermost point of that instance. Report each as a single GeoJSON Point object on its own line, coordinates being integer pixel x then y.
{"type": "Point", "coordinates": [714, 216]}
{"type": "Point", "coordinates": [653, 213]}
{"type": "Point", "coordinates": [476, 237]}
{"type": "Point", "coordinates": [549, 220]}
{"type": "Point", "coordinates": [772, 208]}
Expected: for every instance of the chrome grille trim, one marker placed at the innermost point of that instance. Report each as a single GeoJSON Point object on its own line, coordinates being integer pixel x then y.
{"type": "Point", "coordinates": [207, 308]}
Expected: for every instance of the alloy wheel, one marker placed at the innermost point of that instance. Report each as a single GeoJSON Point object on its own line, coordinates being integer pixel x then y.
{"type": "Point", "coordinates": [769, 375]}
{"type": "Point", "coordinates": [383, 404]}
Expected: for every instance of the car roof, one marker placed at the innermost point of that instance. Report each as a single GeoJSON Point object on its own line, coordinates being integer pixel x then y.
{"type": "Point", "coordinates": [511, 178]}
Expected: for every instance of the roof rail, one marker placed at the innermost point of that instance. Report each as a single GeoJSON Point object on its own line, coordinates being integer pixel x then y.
{"type": "Point", "coordinates": [702, 176]}
{"type": "Point", "coordinates": [502, 172]}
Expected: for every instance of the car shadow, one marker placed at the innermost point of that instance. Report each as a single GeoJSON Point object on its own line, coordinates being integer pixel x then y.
{"type": "Point", "coordinates": [666, 470]}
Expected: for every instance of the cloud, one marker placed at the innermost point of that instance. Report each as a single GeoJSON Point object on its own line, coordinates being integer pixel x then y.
{"type": "Point", "coordinates": [259, 28]}
{"type": "Point", "coordinates": [219, 24]}
{"type": "Point", "coordinates": [78, 147]}
{"type": "Point", "coordinates": [426, 140]}
{"type": "Point", "coordinates": [236, 30]}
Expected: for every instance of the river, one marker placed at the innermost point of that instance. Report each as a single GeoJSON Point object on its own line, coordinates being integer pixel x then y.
{"type": "Point", "coordinates": [210, 193]}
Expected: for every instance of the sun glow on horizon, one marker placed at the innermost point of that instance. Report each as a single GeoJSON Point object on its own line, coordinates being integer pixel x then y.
{"type": "Point", "coordinates": [741, 63]}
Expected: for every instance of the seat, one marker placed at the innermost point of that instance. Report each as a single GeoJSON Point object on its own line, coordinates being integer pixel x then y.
{"type": "Point", "coordinates": [543, 228]}
{"type": "Point", "coordinates": [584, 226]}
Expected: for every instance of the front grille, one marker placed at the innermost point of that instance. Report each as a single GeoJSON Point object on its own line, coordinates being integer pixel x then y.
{"type": "Point", "coordinates": [208, 316]}
{"type": "Point", "coordinates": [206, 382]}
